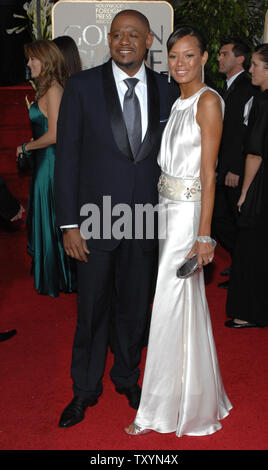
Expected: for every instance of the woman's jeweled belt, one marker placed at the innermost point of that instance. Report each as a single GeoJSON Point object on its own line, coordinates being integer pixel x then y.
{"type": "Point", "coordinates": [179, 189]}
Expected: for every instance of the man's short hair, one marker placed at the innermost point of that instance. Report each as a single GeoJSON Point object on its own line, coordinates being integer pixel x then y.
{"type": "Point", "coordinates": [240, 48]}
{"type": "Point", "coordinates": [136, 13]}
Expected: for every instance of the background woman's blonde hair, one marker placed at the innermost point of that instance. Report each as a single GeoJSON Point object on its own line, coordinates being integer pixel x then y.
{"type": "Point", "coordinates": [52, 64]}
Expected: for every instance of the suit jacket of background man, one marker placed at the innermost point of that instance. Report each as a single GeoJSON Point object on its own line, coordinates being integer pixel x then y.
{"type": "Point", "coordinates": [231, 149]}
{"type": "Point", "coordinates": [9, 206]}
{"type": "Point", "coordinates": [93, 157]}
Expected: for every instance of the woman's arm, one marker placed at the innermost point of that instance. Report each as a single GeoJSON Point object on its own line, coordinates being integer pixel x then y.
{"type": "Point", "coordinates": [253, 163]}
{"type": "Point", "coordinates": [209, 118]}
{"type": "Point", "coordinates": [50, 102]}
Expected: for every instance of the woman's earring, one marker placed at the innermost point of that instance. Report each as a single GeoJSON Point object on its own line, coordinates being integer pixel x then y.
{"type": "Point", "coordinates": [203, 74]}
{"type": "Point", "coordinates": [169, 77]}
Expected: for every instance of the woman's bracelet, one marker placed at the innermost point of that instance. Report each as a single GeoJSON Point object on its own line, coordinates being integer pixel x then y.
{"type": "Point", "coordinates": [25, 151]}
{"type": "Point", "coordinates": [204, 239]}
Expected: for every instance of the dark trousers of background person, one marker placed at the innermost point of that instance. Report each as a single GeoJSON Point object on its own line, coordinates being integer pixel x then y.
{"type": "Point", "coordinates": [121, 283]}
{"type": "Point", "coordinates": [247, 297]}
{"type": "Point", "coordinates": [224, 221]}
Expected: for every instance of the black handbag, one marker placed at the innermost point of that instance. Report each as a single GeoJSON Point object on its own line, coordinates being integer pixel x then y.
{"type": "Point", "coordinates": [24, 162]}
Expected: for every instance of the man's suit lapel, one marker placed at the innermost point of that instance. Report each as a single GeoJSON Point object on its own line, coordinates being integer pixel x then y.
{"type": "Point", "coordinates": [233, 85]}
{"type": "Point", "coordinates": [153, 103]}
{"type": "Point", "coordinates": [117, 119]}
{"type": "Point", "coordinates": [114, 110]}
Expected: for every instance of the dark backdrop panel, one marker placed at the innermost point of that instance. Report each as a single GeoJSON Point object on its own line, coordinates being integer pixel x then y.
{"type": "Point", "coordinates": [12, 61]}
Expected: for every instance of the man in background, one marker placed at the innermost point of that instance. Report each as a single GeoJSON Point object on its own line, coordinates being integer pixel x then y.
{"type": "Point", "coordinates": [234, 58]}
{"type": "Point", "coordinates": [10, 210]}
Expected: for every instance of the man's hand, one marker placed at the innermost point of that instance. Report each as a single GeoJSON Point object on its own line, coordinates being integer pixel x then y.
{"type": "Point", "coordinates": [18, 215]}
{"type": "Point", "coordinates": [231, 179]}
{"type": "Point", "coordinates": [19, 150]}
{"type": "Point", "coordinates": [74, 245]}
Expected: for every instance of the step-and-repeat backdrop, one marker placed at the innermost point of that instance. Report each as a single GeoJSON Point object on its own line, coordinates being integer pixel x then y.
{"type": "Point", "coordinates": [88, 23]}
{"type": "Point", "coordinates": [266, 28]}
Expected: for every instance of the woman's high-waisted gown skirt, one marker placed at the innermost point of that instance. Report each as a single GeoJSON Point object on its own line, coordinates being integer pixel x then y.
{"type": "Point", "coordinates": [53, 270]}
{"type": "Point", "coordinates": [182, 389]}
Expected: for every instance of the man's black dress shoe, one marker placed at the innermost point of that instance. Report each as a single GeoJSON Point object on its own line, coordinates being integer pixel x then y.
{"type": "Point", "coordinates": [224, 285]}
{"type": "Point", "coordinates": [75, 411]}
{"type": "Point", "coordinates": [7, 334]}
{"type": "Point", "coordinates": [133, 395]}
{"type": "Point", "coordinates": [233, 324]}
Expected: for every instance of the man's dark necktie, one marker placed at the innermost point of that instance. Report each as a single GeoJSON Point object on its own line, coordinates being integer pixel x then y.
{"type": "Point", "coordinates": [132, 115]}
{"type": "Point", "coordinates": [224, 90]}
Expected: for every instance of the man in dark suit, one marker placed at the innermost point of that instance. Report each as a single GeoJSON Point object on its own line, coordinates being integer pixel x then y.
{"type": "Point", "coordinates": [102, 162]}
{"type": "Point", "coordinates": [233, 60]}
{"type": "Point", "coordinates": [10, 210]}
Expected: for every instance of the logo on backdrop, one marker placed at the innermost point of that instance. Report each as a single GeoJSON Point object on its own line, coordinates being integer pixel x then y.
{"type": "Point", "coordinates": [88, 23]}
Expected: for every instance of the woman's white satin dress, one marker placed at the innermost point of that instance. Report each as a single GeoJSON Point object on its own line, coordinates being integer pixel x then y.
{"type": "Point", "coordinates": [182, 388]}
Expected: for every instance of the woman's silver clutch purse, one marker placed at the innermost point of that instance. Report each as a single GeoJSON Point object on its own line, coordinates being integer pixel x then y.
{"type": "Point", "coordinates": [190, 266]}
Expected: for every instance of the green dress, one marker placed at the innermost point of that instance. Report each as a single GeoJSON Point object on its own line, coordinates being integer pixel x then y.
{"type": "Point", "coordinates": [52, 269]}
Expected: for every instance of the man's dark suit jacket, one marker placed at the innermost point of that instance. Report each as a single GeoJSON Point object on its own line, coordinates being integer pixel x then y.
{"type": "Point", "coordinates": [93, 157]}
{"type": "Point", "coordinates": [9, 206]}
{"type": "Point", "coordinates": [231, 150]}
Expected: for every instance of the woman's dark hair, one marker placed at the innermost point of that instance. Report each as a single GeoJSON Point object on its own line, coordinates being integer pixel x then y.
{"type": "Point", "coordinates": [52, 64]}
{"type": "Point", "coordinates": [262, 50]}
{"type": "Point", "coordinates": [186, 31]}
{"type": "Point", "coordinates": [70, 53]}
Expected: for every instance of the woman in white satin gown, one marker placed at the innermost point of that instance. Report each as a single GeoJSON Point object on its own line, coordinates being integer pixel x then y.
{"type": "Point", "coordinates": [182, 389]}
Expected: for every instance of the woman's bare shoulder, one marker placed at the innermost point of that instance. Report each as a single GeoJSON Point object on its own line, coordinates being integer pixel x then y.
{"type": "Point", "coordinates": [210, 97]}
{"type": "Point", "coordinates": [55, 89]}
{"type": "Point", "coordinates": [210, 108]}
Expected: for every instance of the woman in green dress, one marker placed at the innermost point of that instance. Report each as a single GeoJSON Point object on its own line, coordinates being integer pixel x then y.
{"type": "Point", "coordinates": [51, 266]}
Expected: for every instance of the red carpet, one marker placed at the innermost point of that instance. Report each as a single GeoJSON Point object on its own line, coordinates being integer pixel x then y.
{"type": "Point", "coordinates": [35, 379]}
